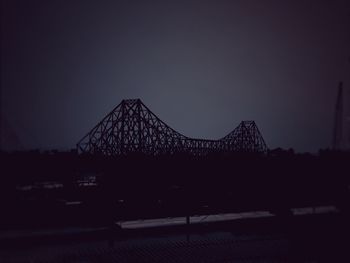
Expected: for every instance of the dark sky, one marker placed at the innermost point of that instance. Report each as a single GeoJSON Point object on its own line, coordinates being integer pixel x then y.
{"type": "Point", "coordinates": [201, 66]}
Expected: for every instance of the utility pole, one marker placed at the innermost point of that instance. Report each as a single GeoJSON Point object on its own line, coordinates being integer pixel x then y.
{"type": "Point", "coordinates": [338, 120]}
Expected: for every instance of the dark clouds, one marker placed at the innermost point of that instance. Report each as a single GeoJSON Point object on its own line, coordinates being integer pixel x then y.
{"type": "Point", "coordinates": [200, 66]}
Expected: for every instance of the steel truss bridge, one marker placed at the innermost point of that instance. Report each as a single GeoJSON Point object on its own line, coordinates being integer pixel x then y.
{"type": "Point", "coordinates": [131, 127]}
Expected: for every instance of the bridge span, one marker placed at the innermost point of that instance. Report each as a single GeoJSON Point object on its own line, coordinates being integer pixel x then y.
{"type": "Point", "coordinates": [133, 127]}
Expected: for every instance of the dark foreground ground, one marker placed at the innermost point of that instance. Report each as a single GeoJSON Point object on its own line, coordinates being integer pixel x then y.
{"type": "Point", "coordinates": [307, 238]}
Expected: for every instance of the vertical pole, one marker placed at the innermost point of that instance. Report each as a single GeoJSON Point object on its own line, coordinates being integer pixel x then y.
{"type": "Point", "coordinates": [187, 227]}
{"type": "Point", "coordinates": [187, 220]}
{"type": "Point", "coordinates": [338, 120]}
{"type": "Point", "coordinates": [188, 211]}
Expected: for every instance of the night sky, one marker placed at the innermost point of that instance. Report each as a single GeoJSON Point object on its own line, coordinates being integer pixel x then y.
{"type": "Point", "coordinates": [201, 66]}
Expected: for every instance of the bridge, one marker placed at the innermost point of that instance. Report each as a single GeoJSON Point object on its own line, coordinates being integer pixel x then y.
{"type": "Point", "coordinates": [131, 127]}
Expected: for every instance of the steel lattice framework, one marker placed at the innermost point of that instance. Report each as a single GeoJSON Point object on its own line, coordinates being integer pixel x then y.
{"type": "Point", "coordinates": [132, 127]}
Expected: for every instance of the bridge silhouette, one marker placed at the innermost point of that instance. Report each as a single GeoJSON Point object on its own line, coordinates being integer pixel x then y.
{"type": "Point", "coordinates": [131, 127]}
